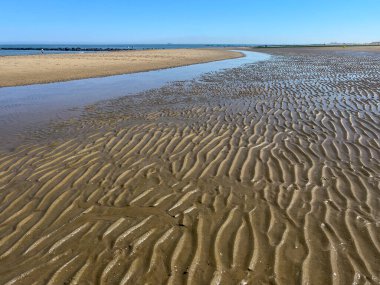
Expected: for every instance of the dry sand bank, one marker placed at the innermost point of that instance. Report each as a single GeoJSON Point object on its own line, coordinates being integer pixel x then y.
{"type": "Point", "coordinates": [31, 69]}
{"type": "Point", "coordinates": [267, 174]}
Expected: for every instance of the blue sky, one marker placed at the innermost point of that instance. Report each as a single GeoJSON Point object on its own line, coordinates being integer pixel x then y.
{"type": "Point", "coordinates": [189, 21]}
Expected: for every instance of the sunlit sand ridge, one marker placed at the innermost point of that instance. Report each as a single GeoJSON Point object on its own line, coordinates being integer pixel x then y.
{"type": "Point", "coordinates": [265, 174]}
{"type": "Point", "coordinates": [32, 69]}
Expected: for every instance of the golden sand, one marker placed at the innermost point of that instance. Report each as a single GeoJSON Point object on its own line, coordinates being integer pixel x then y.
{"type": "Point", "coordinates": [31, 69]}
{"type": "Point", "coordinates": [265, 174]}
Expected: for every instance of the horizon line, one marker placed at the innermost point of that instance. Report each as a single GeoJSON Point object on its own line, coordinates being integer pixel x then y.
{"type": "Point", "coordinates": [243, 44]}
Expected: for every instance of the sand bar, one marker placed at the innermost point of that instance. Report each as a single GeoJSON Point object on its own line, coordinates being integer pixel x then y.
{"type": "Point", "coordinates": [32, 69]}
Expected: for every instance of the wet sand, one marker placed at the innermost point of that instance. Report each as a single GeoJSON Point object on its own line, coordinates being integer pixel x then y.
{"type": "Point", "coordinates": [264, 174]}
{"type": "Point", "coordinates": [32, 69]}
{"type": "Point", "coordinates": [375, 49]}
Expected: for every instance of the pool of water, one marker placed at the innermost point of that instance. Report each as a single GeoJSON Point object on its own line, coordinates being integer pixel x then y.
{"type": "Point", "coordinates": [27, 106]}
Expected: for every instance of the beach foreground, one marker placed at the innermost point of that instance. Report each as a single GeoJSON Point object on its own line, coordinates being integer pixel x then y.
{"type": "Point", "coordinates": [264, 174]}
{"type": "Point", "coordinates": [45, 68]}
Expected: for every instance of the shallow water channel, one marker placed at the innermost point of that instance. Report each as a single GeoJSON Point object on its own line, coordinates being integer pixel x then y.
{"type": "Point", "coordinates": [25, 107]}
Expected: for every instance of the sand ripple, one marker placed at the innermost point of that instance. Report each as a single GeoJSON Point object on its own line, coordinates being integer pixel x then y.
{"type": "Point", "coordinates": [267, 174]}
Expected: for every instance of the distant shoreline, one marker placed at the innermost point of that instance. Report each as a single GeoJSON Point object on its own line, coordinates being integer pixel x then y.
{"type": "Point", "coordinates": [317, 46]}
{"type": "Point", "coordinates": [35, 49]}
{"type": "Point", "coordinates": [67, 49]}
{"type": "Point", "coordinates": [19, 50]}
{"type": "Point", "coordinates": [168, 47]}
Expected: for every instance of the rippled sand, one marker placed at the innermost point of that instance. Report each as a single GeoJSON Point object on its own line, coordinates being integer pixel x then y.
{"type": "Point", "coordinates": [266, 174]}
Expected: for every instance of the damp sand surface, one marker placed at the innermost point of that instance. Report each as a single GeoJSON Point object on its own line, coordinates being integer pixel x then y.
{"type": "Point", "coordinates": [44, 68]}
{"type": "Point", "coordinates": [267, 173]}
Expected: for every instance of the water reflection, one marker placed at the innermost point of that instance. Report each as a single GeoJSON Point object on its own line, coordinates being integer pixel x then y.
{"type": "Point", "coordinates": [26, 106]}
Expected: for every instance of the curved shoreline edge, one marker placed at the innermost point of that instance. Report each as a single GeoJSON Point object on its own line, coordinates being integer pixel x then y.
{"type": "Point", "coordinates": [39, 69]}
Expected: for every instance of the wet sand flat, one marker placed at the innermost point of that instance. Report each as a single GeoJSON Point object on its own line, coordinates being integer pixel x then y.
{"type": "Point", "coordinates": [263, 174]}
{"type": "Point", "coordinates": [32, 69]}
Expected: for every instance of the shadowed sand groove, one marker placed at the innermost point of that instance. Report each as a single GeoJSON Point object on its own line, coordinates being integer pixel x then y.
{"type": "Point", "coordinates": [265, 174]}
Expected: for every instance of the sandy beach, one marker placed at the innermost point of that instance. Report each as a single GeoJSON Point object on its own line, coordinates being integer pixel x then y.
{"type": "Point", "coordinates": [32, 69]}
{"type": "Point", "coordinates": [263, 174]}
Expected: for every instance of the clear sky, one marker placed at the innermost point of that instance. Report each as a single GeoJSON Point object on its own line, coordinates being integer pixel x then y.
{"type": "Point", "coordinates": [189, 21]}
